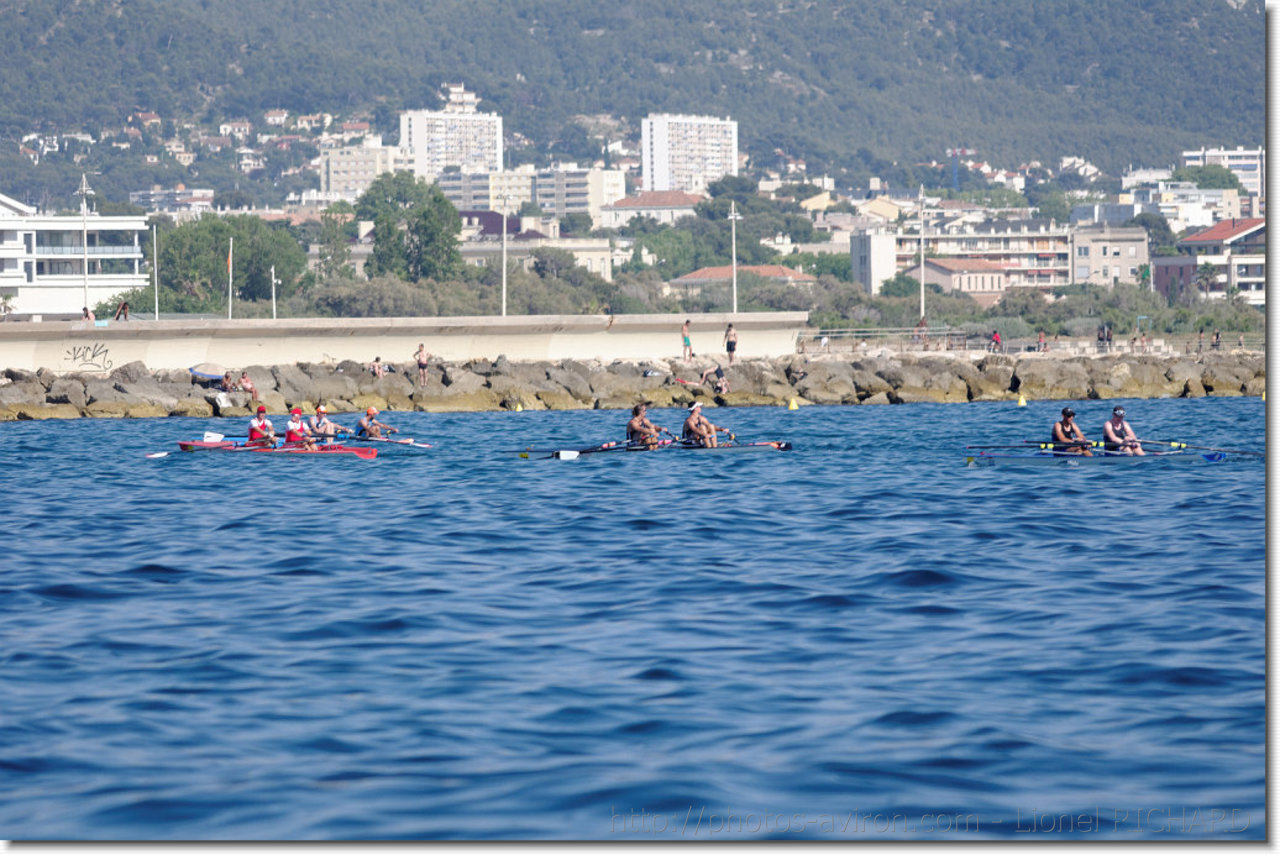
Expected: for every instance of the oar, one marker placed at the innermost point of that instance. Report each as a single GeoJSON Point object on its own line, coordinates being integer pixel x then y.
{"type": "Point", "coordinates": [1176, 444]}
{"type": "Point", "coordinates": [407, 442]}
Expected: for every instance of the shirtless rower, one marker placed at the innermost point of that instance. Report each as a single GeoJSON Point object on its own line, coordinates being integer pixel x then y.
{"type": "Point", "coordinates": [697, 428]}
{"type": "Point", "coordinates": [641, 431]}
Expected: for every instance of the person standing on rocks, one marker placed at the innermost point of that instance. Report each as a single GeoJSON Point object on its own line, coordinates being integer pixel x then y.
{"type": "Point", "coordinates": [731, 342]}
{"type": "Point", "coordinates": [424, 359]}
{"type": "Point", "coordinates": [1068, 437]}
{"type": "Point", "coordinates": [1117, 435]}
{"type": "Point", "coordinates": [685, 342]}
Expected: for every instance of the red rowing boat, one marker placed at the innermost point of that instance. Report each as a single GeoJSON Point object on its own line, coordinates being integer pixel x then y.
{"type": "Point", "coordinates": [227, 445]}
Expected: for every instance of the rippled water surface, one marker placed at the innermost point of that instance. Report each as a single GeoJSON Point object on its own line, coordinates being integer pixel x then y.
{"type": "Point", "coordinates": [862, 638]}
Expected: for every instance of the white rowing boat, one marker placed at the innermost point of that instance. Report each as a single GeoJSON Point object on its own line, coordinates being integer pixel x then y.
{"type": "Point", "coordinates": [1067, 458]}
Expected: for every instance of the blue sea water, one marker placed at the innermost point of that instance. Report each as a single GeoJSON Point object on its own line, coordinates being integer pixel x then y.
{"type": "Point", "coordinates": [858, 639]}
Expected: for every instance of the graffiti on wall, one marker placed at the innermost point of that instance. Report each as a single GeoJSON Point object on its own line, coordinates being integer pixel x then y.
{"type": "Point", "coordinates": [89, 356]}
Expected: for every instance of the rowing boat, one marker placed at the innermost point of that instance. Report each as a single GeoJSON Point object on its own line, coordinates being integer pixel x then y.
{"type": "Point", "coordinates": [684, 445]}
{"type": "Point", "coordinates": [1049, 457]}
{"type": "Point", "coordinates": [228, 445]}
{"type": "Point", "coordinates": [661, 445]}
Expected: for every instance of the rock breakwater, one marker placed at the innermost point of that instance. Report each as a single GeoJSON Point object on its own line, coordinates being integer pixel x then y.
{"type": "Point", "coordinates": [133, 391]}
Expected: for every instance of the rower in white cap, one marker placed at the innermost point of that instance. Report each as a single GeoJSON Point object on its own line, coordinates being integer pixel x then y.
{"type": "Point", "coordinates": [699, 429]}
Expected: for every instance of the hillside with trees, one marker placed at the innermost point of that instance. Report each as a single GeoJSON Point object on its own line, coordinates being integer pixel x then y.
{"type": "Point", "coordinates": [850, 87]}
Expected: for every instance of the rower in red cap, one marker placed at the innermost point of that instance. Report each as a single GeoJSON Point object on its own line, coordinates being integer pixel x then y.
{"type": "Point", "coordinates": [260, 430]}
{"type": "Point", "coordinates": [296, 432]}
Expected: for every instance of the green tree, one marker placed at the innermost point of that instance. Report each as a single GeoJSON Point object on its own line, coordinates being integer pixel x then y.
{"type": "Point", "coordinates": [578, 223]}
{"type": "Point", "coordinates": [1158, 232]}
{"type": "Point", "coordinates": [334, 243]}
{"type": "Point", "coordinates": [1211, 177]}
{"type": "Point", "coordinates": [415, 228]}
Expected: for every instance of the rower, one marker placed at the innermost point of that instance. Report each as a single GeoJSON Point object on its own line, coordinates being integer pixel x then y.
{"type": "Point", "coordinates": [698, 429]}
{"type": "Point", "coordinates": [1118, 436]}
{"type": "Point", "coordinates": [1068, 437]}
{"type": "Point", "coordinates": [260, 430]}
{"type": "Point", "coordinates": [322, 426]}
{"type": "Point", "coordinates": [641, 431]}
{"type": "Point", "coordinates": [369, 426]}
{"type": "Point", "coordinates": [296, 432]}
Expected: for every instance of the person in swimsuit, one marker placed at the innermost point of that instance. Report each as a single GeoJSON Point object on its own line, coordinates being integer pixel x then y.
{"type": "Point", "coordinates": [685, 341]}
{"type": "Point", "coordinates": [731, 342]}
{"type": "Point", "coordinates": [697, 428]}
{"type": "Point", "coordinates": [323, 427]}
{"type": "Point", "coordinates": [641, 431]}
{"type": "Point", "coordinates": [424, 360]}
{"type": "Point", "coordinates": [246, 385]}
{"type": "Point", "coordinates": [260, 430]}
{"type": "Point", "coordinates": [722, 382]}
{"type": "Point", "coordinates": [1117, 435]}
{"type": "Point", "coordinates": [1068, 437]}
{"type": "Point", "coordinates": [297, 432]}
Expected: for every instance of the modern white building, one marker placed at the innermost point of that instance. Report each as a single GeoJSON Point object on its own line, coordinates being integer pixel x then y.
{"type": "Point", "coordinates": [55, 265]}
{"type": "Point", "coordinates": [458, 136]}
{"type": "Point", "coordinates": [1247, 164]}
{"type": "Point", "coordinates": [1032, 253]}
{"type": "Point", "coordinates": [687, 153]}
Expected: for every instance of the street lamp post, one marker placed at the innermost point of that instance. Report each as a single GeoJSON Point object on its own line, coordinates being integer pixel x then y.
{"type": "Point", "coordinates": [734, 216]}
{"type": "Point", "coordinates": [504, 255]}
{"type": "Point", "coordinates": [84, 193]}
{"type": "Point", "coordinates": [922, 252]}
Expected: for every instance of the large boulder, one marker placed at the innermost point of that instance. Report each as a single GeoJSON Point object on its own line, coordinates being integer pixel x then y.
{"type": "Point", "coordinates": [196, 408]}
{"type": "Point", "coordinates": [23, 392]}
{"type": "Point", "coordinates": [37, 412]}
{"type": "Point", "coordinates": [460, 381]}
{"type": "Point", "coordinates": [104, 391]}
{"type": "Point", "coordinates": [66, 390]}
{"type": "Point", "coordinates": [559, 399]}
{"type": "Point", "coordinates": [1050, 379]}
{"type": "Point", "coordinates": [477, 401]}
{"type": "Point", "coordinates": [1223, 377]}
{"type": "Point", "coordinates": [131, 372]}
{"type": "Point", "coordinates": [572, 382]}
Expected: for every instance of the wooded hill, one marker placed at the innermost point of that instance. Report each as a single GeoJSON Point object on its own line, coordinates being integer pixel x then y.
{"type": "Point", "coordinates": [848, 86]}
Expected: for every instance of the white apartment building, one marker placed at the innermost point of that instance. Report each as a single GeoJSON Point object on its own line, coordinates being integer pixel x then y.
{"type": "Point", "coordinates": [687, 153]}
{"type": "Point", "coordinates": [457, 136]}
{"type": "Point", "coordinates": [345, 173]}
{"type": "Point", "coordinates": [1247, 164]}
{"type": "Point", "coordinates": [1033, 253]}
{"type": "Point", "coordinates": [1185, 206]}
{"type": "Point", "coordinates": [57, 264]}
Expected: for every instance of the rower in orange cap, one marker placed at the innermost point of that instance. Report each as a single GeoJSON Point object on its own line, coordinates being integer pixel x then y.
{"type": "Point", "coordinates": [370, 427]}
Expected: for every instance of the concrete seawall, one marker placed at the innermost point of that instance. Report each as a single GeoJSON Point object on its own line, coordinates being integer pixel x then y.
{"type": "Point", "coordinates": [104, 345]}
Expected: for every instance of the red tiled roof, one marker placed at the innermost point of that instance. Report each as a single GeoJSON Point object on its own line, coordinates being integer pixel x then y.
{"type": "Point", "coordinates": [658, 199]}
{"type": "Point", "coordinates": [768, 271]}
{"type": "Point", "coordinates": [1224, 230]}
